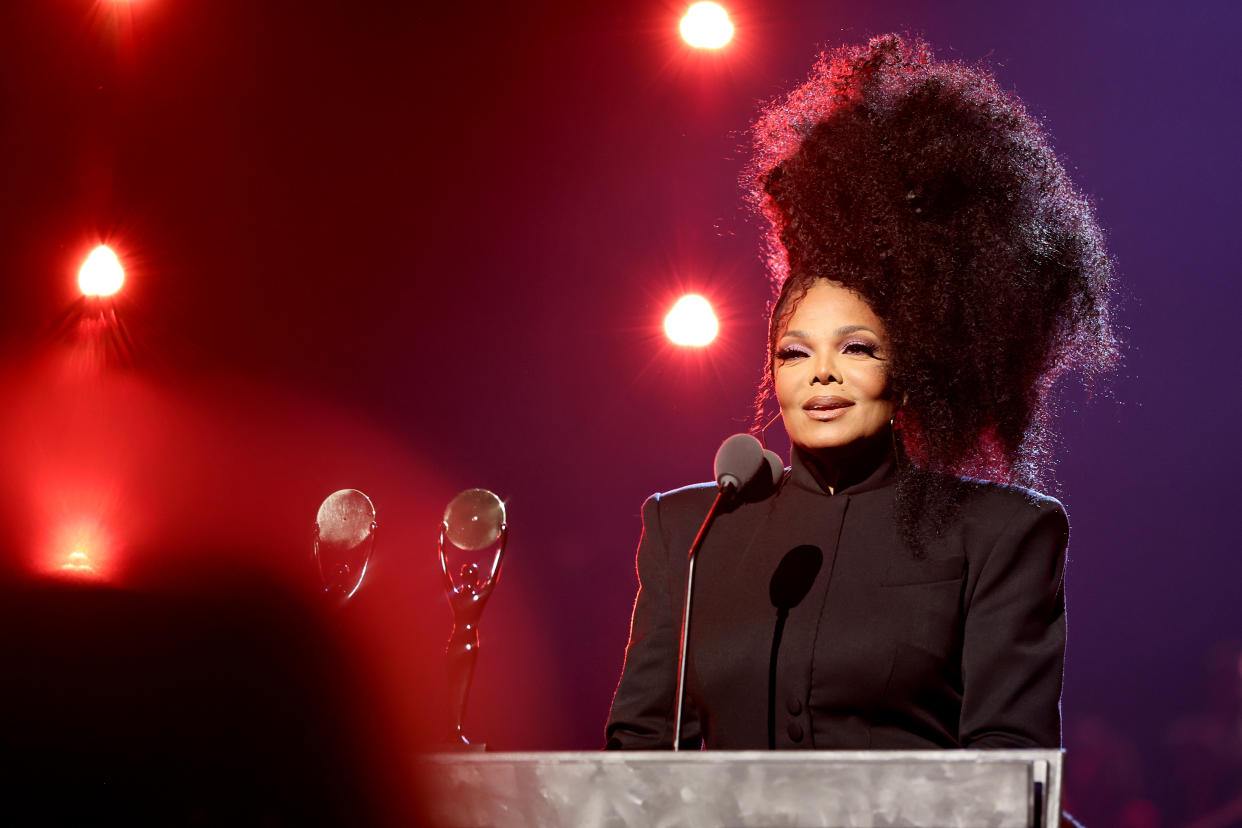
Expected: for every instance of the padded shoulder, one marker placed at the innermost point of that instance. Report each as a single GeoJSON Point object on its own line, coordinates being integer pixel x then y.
{"type": "Point", "coordinates": [676, 515]}
{"type": "Point", "coordinates": [1005, 498]}
{"type": "Point", "coordinates": [691, 495]}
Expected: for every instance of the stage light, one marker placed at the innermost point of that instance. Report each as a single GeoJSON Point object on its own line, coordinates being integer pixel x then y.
{"type": "Point", "coordinates": [101, 273]}
{"type": "Point", "coordinates": [80, 550]}
{"type": "Point", "coordinates": [691, 322]}
{"type": "Point", "coordinates": [706, 26]}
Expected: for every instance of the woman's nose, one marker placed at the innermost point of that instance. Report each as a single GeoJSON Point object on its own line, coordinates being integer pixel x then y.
{"type": "Point", "coordinates": [824, 374]}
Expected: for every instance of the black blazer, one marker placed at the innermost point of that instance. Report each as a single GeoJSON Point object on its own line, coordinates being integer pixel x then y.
{"type": "Point", "coordinates": [814, 626]}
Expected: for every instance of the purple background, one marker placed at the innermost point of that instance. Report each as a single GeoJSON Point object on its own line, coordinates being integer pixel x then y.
{"type": "Point", "coordinates": [415, 251]}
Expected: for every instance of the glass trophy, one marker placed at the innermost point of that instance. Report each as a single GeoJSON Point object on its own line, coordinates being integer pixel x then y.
{"type": "Point", "coordinates": [344, 540]}
{"type": "Point", "coordinates": [472, 543]}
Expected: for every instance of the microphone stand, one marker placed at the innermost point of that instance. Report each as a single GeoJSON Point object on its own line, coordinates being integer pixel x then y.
{"type": "Point", "coordinates": [725, 489]}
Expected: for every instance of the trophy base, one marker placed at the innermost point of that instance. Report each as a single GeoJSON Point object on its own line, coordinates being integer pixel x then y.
{"type": "Point", "coordinates": [460, 747]}
{"type": "Point", "coordinates": [458, 743]}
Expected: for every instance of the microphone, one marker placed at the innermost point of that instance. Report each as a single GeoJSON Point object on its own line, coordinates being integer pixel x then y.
{"type": "Point", "coordinates": [740, 462]}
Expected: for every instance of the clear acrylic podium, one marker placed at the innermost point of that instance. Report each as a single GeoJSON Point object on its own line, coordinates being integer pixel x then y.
{"type": "Point", "coordinates": [968, 788]}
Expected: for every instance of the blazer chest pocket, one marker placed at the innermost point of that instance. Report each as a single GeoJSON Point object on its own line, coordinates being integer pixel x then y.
{"type": "Point", "coordinates": [924, 598]}
{"type": "Point", "coordinates": [910, 573]}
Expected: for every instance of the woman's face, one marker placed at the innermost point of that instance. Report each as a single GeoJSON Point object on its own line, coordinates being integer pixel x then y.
{"type": "Point", "coordinates": [830, 371]}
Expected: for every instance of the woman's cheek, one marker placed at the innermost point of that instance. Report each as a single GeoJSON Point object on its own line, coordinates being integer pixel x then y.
{"type": "Point", "coordinates": [784, 383]}
{"type": "Point", "coordinates": [871, 380]}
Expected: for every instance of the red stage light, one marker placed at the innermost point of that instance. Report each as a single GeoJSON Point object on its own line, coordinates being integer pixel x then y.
{"type": "Point", "coordinates": [81, 549]}
{"type": "Point", "coordinates": [691, 322]}
{"type": "Point", "coordinates": [101, 273]}
{"type": "Point", "coordinates": [706, 26]}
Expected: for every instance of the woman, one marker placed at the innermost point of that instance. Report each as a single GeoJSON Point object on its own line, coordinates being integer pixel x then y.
{"type": "Point", "coordinates": [902, 588]}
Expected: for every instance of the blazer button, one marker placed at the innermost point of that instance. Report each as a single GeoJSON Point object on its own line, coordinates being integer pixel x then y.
{"type": "Point", "coordinates": [794, 706]}
{"type": "Point", "coordinates": [795, 731]}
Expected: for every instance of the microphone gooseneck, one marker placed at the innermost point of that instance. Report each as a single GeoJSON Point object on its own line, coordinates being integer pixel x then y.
{"type": "Point", "coordinates": [739, 462]}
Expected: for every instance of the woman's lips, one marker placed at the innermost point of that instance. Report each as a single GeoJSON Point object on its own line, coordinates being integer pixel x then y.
{"type": "Point", "coordinates": [826, 408]}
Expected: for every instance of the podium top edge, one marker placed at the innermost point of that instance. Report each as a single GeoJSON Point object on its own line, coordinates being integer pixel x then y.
{"type": "Point", "coordinates": [773, 756]}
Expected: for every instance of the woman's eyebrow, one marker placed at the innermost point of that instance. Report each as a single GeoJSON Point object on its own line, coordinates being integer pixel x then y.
{"type": "Point", "coordinates": [842, 331]}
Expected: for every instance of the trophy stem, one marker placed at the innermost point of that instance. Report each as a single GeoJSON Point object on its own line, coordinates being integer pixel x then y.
{"type": "Point", "coordinates": [461, 656]}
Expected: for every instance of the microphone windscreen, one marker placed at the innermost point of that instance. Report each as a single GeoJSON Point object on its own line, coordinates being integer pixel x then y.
{"type": "Point", "coordinates": [739, 460]}
{"type": "Point", "coordinates": [776, 465]}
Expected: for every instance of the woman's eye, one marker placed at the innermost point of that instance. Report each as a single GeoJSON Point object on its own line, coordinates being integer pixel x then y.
{"type": "Point", "coordinates": [791, 352]}
{"type": "Point", "coordinates": [859, 347]}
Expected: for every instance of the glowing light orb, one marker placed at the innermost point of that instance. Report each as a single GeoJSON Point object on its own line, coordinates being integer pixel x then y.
{"type": "Point", "coordinates": [101, 273]}
{"type": "Point", "coordinates": [706, 26]}
{"type": "Point", "coordinates": [691, 322]}
{"type": "Point", "coordinates": [474, 519]}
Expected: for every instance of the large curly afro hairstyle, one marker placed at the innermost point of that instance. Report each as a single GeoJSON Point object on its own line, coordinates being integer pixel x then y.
{"type": "Point", "coordinates": [933, 194]}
